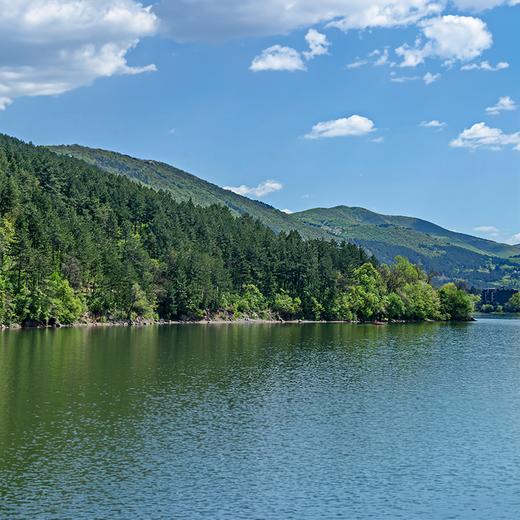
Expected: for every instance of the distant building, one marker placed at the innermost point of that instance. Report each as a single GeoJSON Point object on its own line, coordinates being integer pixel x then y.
{"type": "Point", "coordinates": [496, 296]}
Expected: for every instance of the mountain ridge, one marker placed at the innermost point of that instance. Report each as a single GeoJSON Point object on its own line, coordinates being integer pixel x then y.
{"type": "Point", "coordinates": [183, 186]}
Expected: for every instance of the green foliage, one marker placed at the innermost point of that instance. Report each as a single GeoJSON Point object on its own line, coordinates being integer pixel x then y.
{"type": "Point", "coordinates": [141, 306]}
{"type": "Point", "coordinates": [316, 310]}
{"type": "Point", "coordinates": [341, 308]}
{"type": "Point", "coordinates": [61, 302]}
{"type": "Point", "coordinates": [5, 301]}
{"type": "Point", "coordinates": [421, 302]}
{"type": "Point", "coordinates": [251, 302]}
{"type": "Point", "coordinates": [455, 303]}
{"type": "Point", "coordinates": [286, 306]}
{"type": "Point", "coordinates": [402, 272]}
{"type": "Point", "coordinates": [366, 296]}
{"type": "Point", "coordinates": [395, 308]}
{"type": "Point", "coordinates": [513, 305]}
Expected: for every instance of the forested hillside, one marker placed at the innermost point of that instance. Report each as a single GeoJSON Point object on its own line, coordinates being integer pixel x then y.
{"type": "Point", "coordinates": [183, 187]}
{"type": "Point", "coordinates": [452, 256]}
{"type": "Point", "coordinates": [449, 255]}
{"type": "Point", "coordinates": [78, 242]}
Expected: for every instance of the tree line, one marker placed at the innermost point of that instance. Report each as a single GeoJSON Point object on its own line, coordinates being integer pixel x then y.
{"type": "Point", "coordinates": [77, 243]}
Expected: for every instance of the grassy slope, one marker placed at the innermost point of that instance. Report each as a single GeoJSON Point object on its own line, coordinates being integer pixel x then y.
{"type": "Point", "coordinates": [399, 230]}
{"type": "Point", "coordinates": [452, 254]}
{"type": "Point", "coordinates": [184, 186]}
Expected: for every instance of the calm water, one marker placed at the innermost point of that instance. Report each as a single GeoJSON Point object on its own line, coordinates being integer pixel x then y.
{"type": "Point", "coordinates": [262, 422]}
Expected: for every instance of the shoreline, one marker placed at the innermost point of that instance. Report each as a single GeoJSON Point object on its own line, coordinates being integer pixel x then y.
{"type": "Point", "coordinates": [240, 321]}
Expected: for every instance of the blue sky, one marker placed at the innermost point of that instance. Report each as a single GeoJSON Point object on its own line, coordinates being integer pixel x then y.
{"type": "Point", "coordinates": [403, 106]}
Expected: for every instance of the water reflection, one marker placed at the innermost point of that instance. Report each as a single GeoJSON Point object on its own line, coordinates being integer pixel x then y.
{"type": "Point", "coordinates": [261, 421]}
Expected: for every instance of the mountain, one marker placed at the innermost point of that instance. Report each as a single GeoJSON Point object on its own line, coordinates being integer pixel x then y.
{"type": "Point", "coordinates": [452, 255]}
{"type": "Point", "coordinates": [184, 186]}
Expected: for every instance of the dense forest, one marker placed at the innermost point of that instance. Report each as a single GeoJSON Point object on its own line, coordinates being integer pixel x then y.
{"type": "Point", "coordinates": [78, 243]}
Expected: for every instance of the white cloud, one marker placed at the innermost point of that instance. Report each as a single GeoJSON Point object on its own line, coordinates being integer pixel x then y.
{"type": "Point", "coordinates": [196, 20]}
{"type": "Point", "coordinates": [381, 57]}
{"type": "Point", "coordinates": [377, 58]}
{"type": "Point", "coordinates": [287, 211]}
{"type": "Point", "coordinates": [318, 44]}
{"type": "Point", "coordinates": [491, 231]}
{"type": "Point", "coordinates": [357, 64]}
{"type": "Point", "coordinates": [53, 46]}
{"type": "Point", "coordinates": [378, 140]}
{"type": "Point", "coordinates": [504, 104]}
{"type": "Point", "coordinates": [263, 189]}
{"type": "Point", "coordinates": [514, 240]}
{"type": "Point", "coordinates": [434, 123]}
{"type": "Point", "coordinates": [482, 136]}
{"type": "Point", "coordinates": [430, 78]}
{"type": "Point", "coordinates": [481, 5]}
{"type": "Point", "coordinates": [281, 58]}
{"type": "Point", "coordinates": [450, 38]}
{"type": "Point", "coordinates": [344, 127]}
{"type": "Point", "coordinates": [386, 14]}
{"type": "Point", "coordinates": [485, 65]}
{"type": "Point", "coordinates": [404, 79]}
{"type": "Point", "coordinates": [278, 58]}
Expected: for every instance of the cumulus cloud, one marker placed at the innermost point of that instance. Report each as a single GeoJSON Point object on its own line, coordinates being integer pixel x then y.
{"type": "Point", "coordinates": [53, 46]}
{"type": "Point", "coordinates": [287, 211]}
{"type": "Point", "coordinates": [281, 58]}
{"type": "Point", "coordinates": [278, 58]}
{"type": "Point", "coordinates": [434, 123]}
{"type": "Point", "coordinates": [485, 65]}
{"type": "Point", "coordinates": [318, 44]}
{"type": "Point", "coordinates": [482, 136]}
{"type": "Point", "coordinates": [196, 20]}
{"type": "Point", "coordinates": [451, 38]}
{"type": "Point", "coordinates": [263, 189]}
{"type": "Point", "coordinates": [344, 127]}
{"type": "Point", "coordinates": [504, 104]}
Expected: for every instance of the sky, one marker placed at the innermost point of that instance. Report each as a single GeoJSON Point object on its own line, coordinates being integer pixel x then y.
{"type": "Point", "coordinates": [403, 107]}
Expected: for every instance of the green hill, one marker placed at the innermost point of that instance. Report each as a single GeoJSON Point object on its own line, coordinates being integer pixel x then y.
{"type": "Point", "coordinates": [453, 255]}
{"type": "Point", "coordinates": [77, 242]}
{"type": "Point", "coordinates": [183, 186]}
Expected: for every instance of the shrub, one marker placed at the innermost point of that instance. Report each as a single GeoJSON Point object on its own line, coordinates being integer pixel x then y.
{"type": "Point", "coordinates": [286, 306]}
{"type": "Point", "coordinates": [456, 304]}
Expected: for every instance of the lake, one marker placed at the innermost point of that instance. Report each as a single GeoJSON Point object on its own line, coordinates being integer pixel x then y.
{"type": "Point", "coordinates": [311, 421]}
